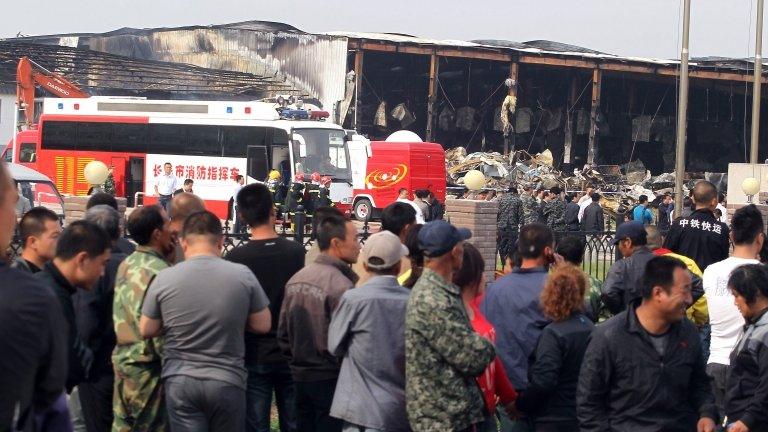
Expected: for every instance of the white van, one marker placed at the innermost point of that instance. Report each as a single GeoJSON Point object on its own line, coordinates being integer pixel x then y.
{"type": "Point", "coordinates": [36, 189]}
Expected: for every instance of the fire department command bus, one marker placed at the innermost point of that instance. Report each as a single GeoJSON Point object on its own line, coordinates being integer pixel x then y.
{"type": "Point", "coordinates": [209, 142]}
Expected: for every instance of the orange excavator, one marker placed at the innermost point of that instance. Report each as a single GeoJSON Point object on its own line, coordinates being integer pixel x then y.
{"type": "Point", "coordinates": [30, 74]}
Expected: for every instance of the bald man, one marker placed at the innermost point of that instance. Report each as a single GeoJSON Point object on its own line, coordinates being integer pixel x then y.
{"type": "Point", "coordinates": [700, 236]}
{"type": "Point", "coordinates": [183, 205]}
{"type": "Point", "coordinates": [33, 338]}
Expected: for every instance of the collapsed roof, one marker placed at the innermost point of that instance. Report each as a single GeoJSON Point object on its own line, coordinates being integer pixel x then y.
{"type": "Point", "coordinates": [108, 73]}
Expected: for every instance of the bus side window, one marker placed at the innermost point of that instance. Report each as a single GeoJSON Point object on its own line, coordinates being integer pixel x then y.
{"type": "Point", "coordinates": [7, 155]}
{"type": "Point", "coordinates": [28, 153]}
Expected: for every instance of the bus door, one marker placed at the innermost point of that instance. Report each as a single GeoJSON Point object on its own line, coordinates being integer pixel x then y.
{"type": "Point", "coordinates": [119, 167]}
{"type": "Point", "coordinates": [258, 163]}
{"type": "Point", "coordinates": [134, 179]}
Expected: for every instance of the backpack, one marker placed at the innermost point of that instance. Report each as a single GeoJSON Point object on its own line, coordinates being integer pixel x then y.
{"type": "Point", "coordinates": [631, 213]}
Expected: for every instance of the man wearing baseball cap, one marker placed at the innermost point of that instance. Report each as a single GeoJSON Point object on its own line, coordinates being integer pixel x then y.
{"type": "Point", "coordinates": [443, 354]}
{"type": "Point", "coordinates": [368, 331]}
{"type": "Point", "coordinates": [624, 279]}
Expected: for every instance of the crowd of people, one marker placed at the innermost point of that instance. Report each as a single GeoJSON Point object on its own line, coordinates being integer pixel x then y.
{"type": "Point", "coordinates": [403, 334]}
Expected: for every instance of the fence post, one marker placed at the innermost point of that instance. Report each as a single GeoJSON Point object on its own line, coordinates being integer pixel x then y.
{"type": "Point", "coordinates": [621, 216]}
{"type": "Point", "coordinates": [298, 225]}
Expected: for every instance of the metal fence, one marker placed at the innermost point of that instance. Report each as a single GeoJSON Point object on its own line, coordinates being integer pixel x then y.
{"type": "Point", "coordinates": [599, 253]}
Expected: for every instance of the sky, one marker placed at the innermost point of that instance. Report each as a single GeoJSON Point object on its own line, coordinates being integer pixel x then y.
{"type": "Point", "coordinates": [643, 28]}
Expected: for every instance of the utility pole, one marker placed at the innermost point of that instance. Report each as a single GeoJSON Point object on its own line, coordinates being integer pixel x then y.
{"type": "Point", "coordinates": [756, 88]}
{"type": "Point", "coordinates": [681, 112]}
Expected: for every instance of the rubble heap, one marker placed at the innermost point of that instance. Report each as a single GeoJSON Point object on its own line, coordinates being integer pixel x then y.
{"type": "Point", "coordinates": [620, 185]}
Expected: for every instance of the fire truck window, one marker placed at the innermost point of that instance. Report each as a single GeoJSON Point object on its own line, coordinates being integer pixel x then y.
{"type": "Point", "coordinates": [59, 135]}
{"type": "Point", "coordinates": [130, 138]}
{"type": "Point", "coordinates": [236, 139]}
{"type": "Point", "coordinates": [94, 136]}
{"type": "Point", "coordinates": [280, 137]}
{"type": "Point", "coordinates": [203, 140]}
{"type": "Point", "coordinates": [28, 152]}
{"type": "Point", "coordinates": [167, 139]}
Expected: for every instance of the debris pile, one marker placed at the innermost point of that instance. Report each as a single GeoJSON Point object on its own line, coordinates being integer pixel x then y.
{"type": "Point", "coordinates": [621, 185]}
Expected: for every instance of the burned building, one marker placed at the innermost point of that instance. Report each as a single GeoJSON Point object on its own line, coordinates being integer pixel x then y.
{"type": "Point", "coordinates": [582, 105]}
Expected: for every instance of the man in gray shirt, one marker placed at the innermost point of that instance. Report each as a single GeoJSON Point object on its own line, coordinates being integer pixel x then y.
{"type": "Point", "coordinates": [202, 306]}
{"type": "Point", "coordinates": [368, 331]}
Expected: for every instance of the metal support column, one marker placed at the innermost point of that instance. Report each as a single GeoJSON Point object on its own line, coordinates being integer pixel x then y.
{"type": "Point", "coordinates": [682, 112]}
{"type": "Point", "coordinates": [434, 66]}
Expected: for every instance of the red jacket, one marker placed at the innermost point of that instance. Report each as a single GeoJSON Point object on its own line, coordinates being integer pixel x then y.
{"type": "Point", "coordinates": [494, 382]}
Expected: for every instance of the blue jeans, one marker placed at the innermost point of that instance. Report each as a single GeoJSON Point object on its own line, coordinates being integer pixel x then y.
{"type": "Point", "coordinates": [165, 202]}
{"type": "Point", "coordinates": [263, 379]}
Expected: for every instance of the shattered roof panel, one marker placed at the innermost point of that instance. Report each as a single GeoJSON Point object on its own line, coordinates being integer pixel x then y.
{"type": "Point", "coordinates": [100, 71]}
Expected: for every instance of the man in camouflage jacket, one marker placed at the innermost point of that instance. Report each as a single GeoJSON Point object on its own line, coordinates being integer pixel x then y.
{"type": "Point", "coordinates": [554, 211]}
{"type": "Point", "coordinates": [138, 396]}
{"type": "Point", "coordinates": [508, 222]}
{"type": "Point", "coordinates": [530, 206]}
{"type": "Point", "coordinates": [443, 355]}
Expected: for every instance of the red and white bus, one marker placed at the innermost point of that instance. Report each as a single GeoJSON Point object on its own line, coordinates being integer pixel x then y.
{"type": "Point", "coordinates": [210, 142]}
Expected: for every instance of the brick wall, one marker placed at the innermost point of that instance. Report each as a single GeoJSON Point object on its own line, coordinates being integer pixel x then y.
{"type": "Point", "coordinates": [74, 208]}
{"type": "Point", "coordinates": [731, 209]}
{"type": "Point", "coordinates": [480, 218]}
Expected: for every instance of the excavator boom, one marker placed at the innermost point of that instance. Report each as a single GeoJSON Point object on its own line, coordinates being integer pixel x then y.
{"type": "Point", "coordinates": [28, 75]}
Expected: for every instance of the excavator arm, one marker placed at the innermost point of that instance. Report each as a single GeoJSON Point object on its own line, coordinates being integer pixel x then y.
{"type": "Point", "coordinates": [28, 75]}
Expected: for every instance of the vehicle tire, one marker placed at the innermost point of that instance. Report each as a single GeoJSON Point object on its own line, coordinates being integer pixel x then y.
{"type": "Point", "coordinates": [362, 209]}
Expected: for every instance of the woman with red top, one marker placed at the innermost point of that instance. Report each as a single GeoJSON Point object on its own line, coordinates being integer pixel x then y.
{"type": "Point", "coordinates": [493, 382]}
{"type": "Point", "coordinates": [550, 399]}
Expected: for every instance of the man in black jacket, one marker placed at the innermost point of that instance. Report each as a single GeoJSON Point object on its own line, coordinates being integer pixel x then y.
{"type": "Point", "coordinates": [81, 253]}
{"type": "Point", "coordinates": [33, 364]}
{"type": "Point", "coordinates": [571, 213]}
{"type": "Point", "coordinates": [665, 212]}
{"type": "Point", "coordinates": [93, 313]}
{"type": "Point", "coordinates": [593, 219]}
{"type": "Point", "coordinates": [622, 283]}
{"type": "Point", "coordinates": [747, 383]}
{"type": "Point", "coordinates": [643, 369]}
{"type": "Point", "coordinates": [700, 236]}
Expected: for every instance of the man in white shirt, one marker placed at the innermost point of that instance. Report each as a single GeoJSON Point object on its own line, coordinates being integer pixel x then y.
{"type": "Point", "coordinates": [165, 185]}
{"type": "Point", "coordinates": [747, 235]}
{"type": "Point", "coordinates": [584, 201]}
{"type": "Point", "coordinates": [239, 182]}
{"type": "Point", "coordinates": [402, 196]}
{"type": "Point", "coordinates": [721, 206]}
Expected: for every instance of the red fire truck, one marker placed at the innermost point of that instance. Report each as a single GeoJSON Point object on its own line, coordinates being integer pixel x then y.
{"type": "Point", "coordinates": [391, 167]}
{"type": "Point", "coordinates": [210, 142]}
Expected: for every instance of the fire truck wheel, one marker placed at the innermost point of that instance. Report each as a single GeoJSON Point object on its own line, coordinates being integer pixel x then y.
{"type": "Point", "coordinates": [362, 209]}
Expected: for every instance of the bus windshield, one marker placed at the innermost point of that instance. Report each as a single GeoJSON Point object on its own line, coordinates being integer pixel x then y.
{"type": "Point", "coordinates": [326, 153]}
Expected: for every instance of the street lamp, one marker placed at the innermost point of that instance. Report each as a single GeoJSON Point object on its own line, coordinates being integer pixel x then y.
{"type": "Point", "coordinates": [474, 180]}
{"type": "Point", "coordinates": [96, 173]}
